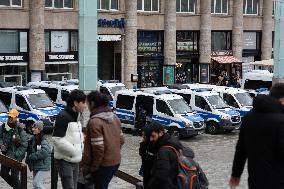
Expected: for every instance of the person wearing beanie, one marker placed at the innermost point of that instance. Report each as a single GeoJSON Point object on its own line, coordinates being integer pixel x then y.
{"type": "Point", "coordinates": [13, 143]}
{"type": "Point", "coordinates": [38, 156]}
{"type": "Point", "coordinates": [261, 143]}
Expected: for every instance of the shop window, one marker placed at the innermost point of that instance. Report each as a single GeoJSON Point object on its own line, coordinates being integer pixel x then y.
{"type": "Point", "coordinates": [250, 7]}
{"type": "Point", "coordinates": [200, 102]}
{"type": "Point", "coordinates": [163, 107]}
{"type": "Point", "coordinates": [59, 4]}
{"type": "Point", "coordinates": [148, 5]}
{"type": "Point", "coordinates": [221, 41]}
{"type": "Point", "coordinates": [185, 6]}
{"type": "Point", "coordinates": [6, 98]}
{"type": "Point", "coordinates": [187, 41]}
{"type": "Point", "coordinates": [21, 102]}
{"type": "Point", "coordinates": [150, 73]}
{"type": "Point", "coordinates": [125, 102]}
{"type": "Point", "coordinates": [150, 41]}
{"type": "Point", "coordinates": [11, 3]}
{"type": "Point", "coordinates": [74, 41]}
{"type": "Point", "coordinates": [9, 40]}
{"type": "Point", "coordinates": [23, 41]}
{"type": "Point", "coordinates": [59, 41]}
{"type": "Point", "coordinates": [219, 6]}
{"type": "Point", "coordinates": [107, 4]}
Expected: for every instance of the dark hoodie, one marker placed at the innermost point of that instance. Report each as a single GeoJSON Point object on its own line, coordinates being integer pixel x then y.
{"type": "Point", "coordinates": [261, 142]}
{"type": "Point", "coordinates": [165, 170]}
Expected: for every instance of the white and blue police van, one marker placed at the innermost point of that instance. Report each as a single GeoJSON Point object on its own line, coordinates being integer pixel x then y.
{"type": "Point", "coordinates": [218, 116]}
{"type": "Point", "coordinates": [33, 105]}
{"type": "Point", "coordinates": [109, 88]}
{"type": "Point", "coordinates": [3, 113]}
{"type": "Point", "coordinates": [236, 98]}
{"type": "Point", "coordinates": [58, 92]}
{"type": "Point", "coordinates": [169, 110]}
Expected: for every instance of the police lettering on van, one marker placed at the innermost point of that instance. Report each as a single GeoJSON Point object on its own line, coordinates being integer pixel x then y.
{"type": "Point", "coordinates": [33, 105]}
{"type": "Point", "coordinates": [166, 109]}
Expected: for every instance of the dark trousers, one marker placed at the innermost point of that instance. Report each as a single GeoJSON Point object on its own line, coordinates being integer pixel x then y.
{"type": "Point", "coordinates": [84, 186]}
{"type": "Point", "coordinates": [103, 176]}
{"type": "Point", "coordinates": [11, 176]}
{"type": "Point", "coordinates": [69, 173]}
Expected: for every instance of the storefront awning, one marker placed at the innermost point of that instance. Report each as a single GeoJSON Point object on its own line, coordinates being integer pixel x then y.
{"type": "Point", "coordinates": [226, 59]}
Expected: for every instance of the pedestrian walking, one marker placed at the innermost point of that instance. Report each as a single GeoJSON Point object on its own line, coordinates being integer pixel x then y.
{"type": "Point", "coordinates": [104, 138]}
{"type": "Point", "coordinates": [13, 143]}
{"type": "Point", "coordinates": [38, 156]}
{"type": "Point", "coordinates": [147, 153]}
{"type": "Point", "coordinates": [68, 140]}
{"type": "Point", "coordinates": [261, 143]}
{"type": "Point", "coordinates": [165, 168]}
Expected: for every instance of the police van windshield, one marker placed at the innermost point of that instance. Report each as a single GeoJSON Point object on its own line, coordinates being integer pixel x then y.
{"type": "Point", "coordinates": [217, 102]}
{"type": "Point", "coordinates": [116, 88]}
{"type": "Point", "coordinates": [40, 100]}
{"type": "Point", "coordinates": [244, 99]}
{"type": "Point", "coordinates": [3, 108]}
{"type": "Point", "coordinates": [179, 106]}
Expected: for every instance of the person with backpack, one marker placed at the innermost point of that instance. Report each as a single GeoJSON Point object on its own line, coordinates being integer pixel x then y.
{"type": "Point", "coordinates": [38, 156]}
{"type": "Point", "coordinates": [103, 142]}
{"type": "Point", "coordinates": [13, 143]}
{"type": "Point", "coordinates": [165, 168]}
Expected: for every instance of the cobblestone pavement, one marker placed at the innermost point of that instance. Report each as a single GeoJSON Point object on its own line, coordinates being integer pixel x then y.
{"type": "Point", "coordinates": [214, 154]}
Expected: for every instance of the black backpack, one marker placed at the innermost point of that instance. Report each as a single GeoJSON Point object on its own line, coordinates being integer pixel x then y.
{"type": "Point", "coordinates": [190, 175]}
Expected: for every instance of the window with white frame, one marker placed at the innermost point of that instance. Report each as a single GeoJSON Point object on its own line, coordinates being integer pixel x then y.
{"type": "Point", "coordinates": [250, 6]}
{"type": "Point", "coordinates": [148, 5]}
{"type": "Point", "coordinates": [11, 3]}
{"type": "Point", "coordinates": [59, 4]}
{"type": "Point", "coordinates": [185, 6]}
{"type": "Point", "coordinates": [219, 6]}
{"type": "Point", "coordinates": [274, 7]}
{"type": "Point", "coordinates": [107, 4]}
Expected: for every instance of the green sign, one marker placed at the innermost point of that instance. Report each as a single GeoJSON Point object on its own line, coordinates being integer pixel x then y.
{"type": "Point", "coordinates": [168, 75]}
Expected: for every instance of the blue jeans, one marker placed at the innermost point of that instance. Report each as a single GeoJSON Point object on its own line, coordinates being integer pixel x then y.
{"type": "Point", "coordinates": [103, 176]}
{"type": "Point", "coordinates": [39, 176]}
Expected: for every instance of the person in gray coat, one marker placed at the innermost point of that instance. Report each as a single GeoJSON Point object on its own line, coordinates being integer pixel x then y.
{"type": "Point", "coordinates": [38, 156]}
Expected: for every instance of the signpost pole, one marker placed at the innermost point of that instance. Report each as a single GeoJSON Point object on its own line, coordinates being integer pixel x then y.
{"type": "Point", "coordinates": [88, 45]}
{"type": "Point", "coordinates": [279, 43]}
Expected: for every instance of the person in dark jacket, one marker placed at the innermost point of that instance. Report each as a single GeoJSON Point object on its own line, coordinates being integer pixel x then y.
{"type": "Point", "coordinates": [147, 153]}
{"type": "Point", "coordinates": [165, 169]}
{"type": "Point", "coordinates": [38, 156]}
{"type": "Point", "coordinates": [261, 143]}
{"type": "Point", "coordinates": [13, 143]}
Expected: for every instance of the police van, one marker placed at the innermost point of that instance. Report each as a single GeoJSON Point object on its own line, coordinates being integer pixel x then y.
{"type": "Point", "coordinates": [109, 88]}
{"type": "Point", "coordinates": [218, 116]}
{"type": "Point", "coordinates": [33, 105]}
{"type": "Point", "coordinates": [169, 110]}
{"type": "Point", "coordinates": [58, 92]}
{"type": "Point", "coordinates": [237, 98]}
{"type": "Point", "coordinates": [3, 113]}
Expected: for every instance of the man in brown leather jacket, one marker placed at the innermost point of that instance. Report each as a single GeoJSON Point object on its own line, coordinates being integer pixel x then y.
{"type": "Point", "coordinates": [103, 141]}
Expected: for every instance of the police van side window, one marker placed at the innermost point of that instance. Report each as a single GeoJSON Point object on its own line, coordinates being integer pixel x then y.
{"type": "Point", "coordinates": [106, 92]}
{"type": "Point", "coordinates": [21, 102]}
{"type": "Point", "coordinates": [6, 98]}
{"type": "Point", "coordinates": [229, 99]}
{"type": "Point", "coordinates": [64, 95]}
{"type": "Point", "coordinates": [162, 107]}
{"type": "Point", "coordinates": [200, 102]}
{"type": "Point", "coordinates": [51, 92]}
{"type": "Point", "coordinates": [125, 102]}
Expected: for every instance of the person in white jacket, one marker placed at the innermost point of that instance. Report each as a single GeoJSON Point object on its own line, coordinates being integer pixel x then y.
{"type": "Point", "coordinates": [68, 140]}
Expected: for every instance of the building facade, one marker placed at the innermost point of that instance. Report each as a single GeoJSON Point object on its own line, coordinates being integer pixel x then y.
{"type": "Point", "coordinates": [140, 42]}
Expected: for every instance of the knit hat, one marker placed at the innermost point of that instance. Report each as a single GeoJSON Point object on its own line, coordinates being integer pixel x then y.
{"type": "Point", "coordinates": [13, 113]}
{"type": "Point", "coordinates": [39, 125]}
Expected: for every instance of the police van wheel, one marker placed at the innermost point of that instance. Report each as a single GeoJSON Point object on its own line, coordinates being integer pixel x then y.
{"type": "Point", "coordinates": [29, 125]}
{"type": "Point", "coordinates": [173, 131]}
{"type": "Point", "coordinates": [212, 128]}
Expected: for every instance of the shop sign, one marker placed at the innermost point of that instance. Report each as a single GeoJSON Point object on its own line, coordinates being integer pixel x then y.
{"type": "Point", "coordinates": [13, 58]}
{"type": "Point", "coordinates": [222, 53]}
{"type": "Point", "coordinates": [249, 40]}
{"type": "Point", "coordinates": [149, 46]}
{"type": "Point", "coordinates": [185, 46]}
{"type": "Point", "coordinates": [115, 23]}
{"type": "Point", "coordinates": [61, 57]}
{"type": "Point", "coordinates": [168, 75]}
{"type": "Point", "coordinates": [109, 37]}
